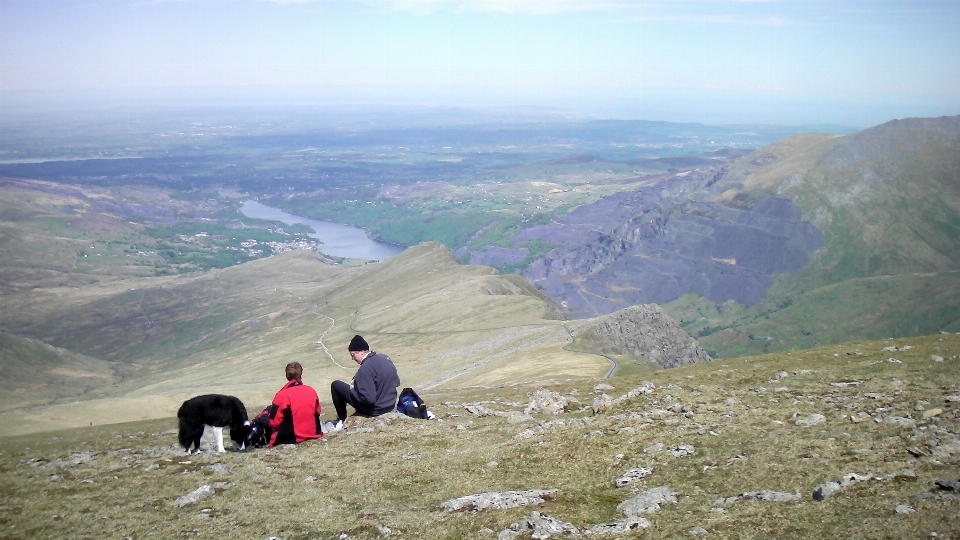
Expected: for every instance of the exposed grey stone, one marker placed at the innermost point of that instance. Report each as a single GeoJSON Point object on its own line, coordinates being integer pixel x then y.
{"type": "Point", "coordinates": [620, 526]}
{"type": "Point", "coordinates": [644, 331]}
{"type": "Point", "coordinates": [936, 358]}
{"type": "Point", "coordinates": [653, 448]}
{"type": "Point", "coordinates": [544, 401]}
{"type": "Point", "coordinates": [479, 410]}
{"type": "Point", "coordinates": [683, 450]}
{"type": "Point", "coordinates": [633, 475]}
{"type": "Point", "coordinates": [729, 402]}
{"type": "Point", "coordinates": [900, 421]}
{"type": "Point", "coordinates": [825, 490]}
{"type": "Point", "coordinates": [218, 468]}
{"type": "Point", "coordinates": [844, 384]}
{"type": "Point", "coordinates": [904, 509]}
{"type": "Point", "coordinates": [545, 526]}
{"type": "Point", "coordinates": [601, 403]}
{"type": "Point", "coordinates": [647, 502]}
{"type": "Point", "coordinates": [603, 387]}
{"type": "Point", "coordinates": [498, 500]}
{"type": "Point", "coordinates": [203, 492]}
{"type": "Point", "coordinates": [764, 495]}
{"type": "Point", "coordinates": [697, 531]}
{"type": "Point", "coordinates": [72, 460]}
{"type": "Point", "coordinates": [943, 483]}
{"type": "Point", "coordinates": [853, 478]}
{"type": "Point", "coordinates": [812, 420]}
{"type": "Point", "coordinates": [540, 527]}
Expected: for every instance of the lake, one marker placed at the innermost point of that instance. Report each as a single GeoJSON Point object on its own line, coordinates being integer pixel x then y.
{"type": "Point", "coordinates": [338, 240]}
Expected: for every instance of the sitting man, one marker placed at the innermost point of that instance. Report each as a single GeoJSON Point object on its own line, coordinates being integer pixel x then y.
{"type": "Point", "coordinates": [374, 388]}
{"type": "Point", "coordinates": [294, 415]}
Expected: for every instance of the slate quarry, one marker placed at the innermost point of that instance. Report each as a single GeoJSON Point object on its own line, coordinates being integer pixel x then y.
{"type": "Point", "coordinates": [661, 241]}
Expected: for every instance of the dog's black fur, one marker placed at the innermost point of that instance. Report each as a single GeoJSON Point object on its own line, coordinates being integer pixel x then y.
{"type": "Point", "coordinates": [215, 410]}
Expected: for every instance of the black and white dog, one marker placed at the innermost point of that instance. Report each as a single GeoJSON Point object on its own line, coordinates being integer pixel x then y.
{"type": "Point", "coordinates": [216, 410]}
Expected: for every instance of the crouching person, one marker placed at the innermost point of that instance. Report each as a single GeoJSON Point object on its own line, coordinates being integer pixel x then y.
{"type": "Point", "coordinates": [294, 415]}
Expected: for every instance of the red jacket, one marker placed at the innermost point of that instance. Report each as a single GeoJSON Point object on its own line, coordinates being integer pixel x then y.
{"type": "Point", "coordinates": [295, 414]}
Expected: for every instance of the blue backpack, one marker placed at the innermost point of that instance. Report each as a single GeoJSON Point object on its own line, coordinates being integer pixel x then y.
{"type": "Point", "coordinates": [411, 405]}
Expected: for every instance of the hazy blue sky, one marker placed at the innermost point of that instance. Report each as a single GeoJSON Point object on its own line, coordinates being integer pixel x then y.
{"type": "Point", "coordinates": [854, 62]}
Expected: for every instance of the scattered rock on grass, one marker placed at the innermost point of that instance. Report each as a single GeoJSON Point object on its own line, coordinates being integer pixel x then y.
{"type": "Point", "coordinates": [765, 495]}
{"type": "Point", "coordinates": [904, 509]}
{"type": "Point", "coordinates": [203, 492]}
{"type": "Point", "coordinates": [653, 448]}
{"type": "Point", "coordinates": [546, 402]}
{"type": "Point", "coordinates": [633, 475]}
{"type": "Point", "coordinates": [901, 421]}
{"type": "Point", "coordinates": [498, 500]}
{"type": "Point", "coordinates": [812, 420]}
{"type": "Point", "coordinates": [647, 502]}
{"type": "Point", "coordinates": [825, 490]}
{"type": "Point", "coordinates": [601, 403]}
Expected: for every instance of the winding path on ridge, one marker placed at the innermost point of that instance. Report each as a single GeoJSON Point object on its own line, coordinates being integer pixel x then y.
{"type": "Point", "coordinates": [324, 347]}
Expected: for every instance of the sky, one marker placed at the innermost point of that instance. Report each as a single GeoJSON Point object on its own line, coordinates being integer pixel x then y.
{"type": "Point", "coordinates": [847, 62]}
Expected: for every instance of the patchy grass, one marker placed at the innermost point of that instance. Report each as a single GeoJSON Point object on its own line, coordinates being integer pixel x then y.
{"type": "Point", "coordinates": [740, 415]}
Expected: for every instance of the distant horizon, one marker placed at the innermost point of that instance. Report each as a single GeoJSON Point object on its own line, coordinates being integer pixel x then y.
{"type": "Point", "coordinates": [238, 101]}
{"type": "Point", "coordinates": [716, 62]}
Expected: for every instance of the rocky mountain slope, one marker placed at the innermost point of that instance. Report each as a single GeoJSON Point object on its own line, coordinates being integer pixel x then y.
{"type": "Point", "coordinates": [775, 232]}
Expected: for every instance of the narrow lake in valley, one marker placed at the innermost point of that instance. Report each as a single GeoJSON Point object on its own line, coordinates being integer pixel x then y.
{"type": "Point", "coordinates": [338, 240]}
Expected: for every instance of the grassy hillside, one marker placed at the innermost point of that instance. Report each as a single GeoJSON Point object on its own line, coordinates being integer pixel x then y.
{"type": "Point", "coordinates": [717, 435]}
{"type": "Point", "coordinates": [233, 330]}
{"type": "Point", "coordinates": [887, 200]}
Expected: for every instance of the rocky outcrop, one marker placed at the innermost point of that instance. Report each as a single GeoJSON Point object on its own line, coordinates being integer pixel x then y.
{"type": "Point", "coordinates": [643, 331]}
{"type": "Point", "coordinates": [663, 240]}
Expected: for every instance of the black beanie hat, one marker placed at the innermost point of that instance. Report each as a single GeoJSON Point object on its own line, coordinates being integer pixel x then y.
{"type": "Point", "coordinates": [358, 344]}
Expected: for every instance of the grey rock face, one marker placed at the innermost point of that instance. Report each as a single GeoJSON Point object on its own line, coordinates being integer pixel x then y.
{"type": "Point", "coordinates": [765, 495]}
{"type": "Point", "coordinates": [546, 402]}
{"type": "Point", "coordinates": [812, 420]}
{"type": "Point", "coordinates": [601, 403]}
{"type": "Point", "coordinates": [825, 490]}
{"type": "Point", "coordinates": [203, 492]}
{"type": "Point", "coordinates": [656, 243]}
{"type": "Point", "coordinates": [643, 331]}
{"type": "Point", "coordinates": [633, 475]}
{"type": "Point", "coordinates": [900, 421]}
{"type": "Point", "coordinates": [498, 500]}
{"type": "Point", "coordinates": [904, 509]}
{"type": "Point", "coordinates": [647, 502]}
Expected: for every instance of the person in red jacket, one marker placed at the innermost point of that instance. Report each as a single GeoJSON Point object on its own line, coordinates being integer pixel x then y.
{"type": "Point", "coordinates": [295, 412]}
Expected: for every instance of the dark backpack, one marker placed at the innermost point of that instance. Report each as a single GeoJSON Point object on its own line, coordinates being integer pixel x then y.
{"type": "Point", "coordinates": [411, 405]}
{"type": "Point", "coordinates": [259, 434]}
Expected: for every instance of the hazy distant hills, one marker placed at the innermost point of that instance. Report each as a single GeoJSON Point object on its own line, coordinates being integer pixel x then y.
{"type": "Point", "coordinates": [814, 239]}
